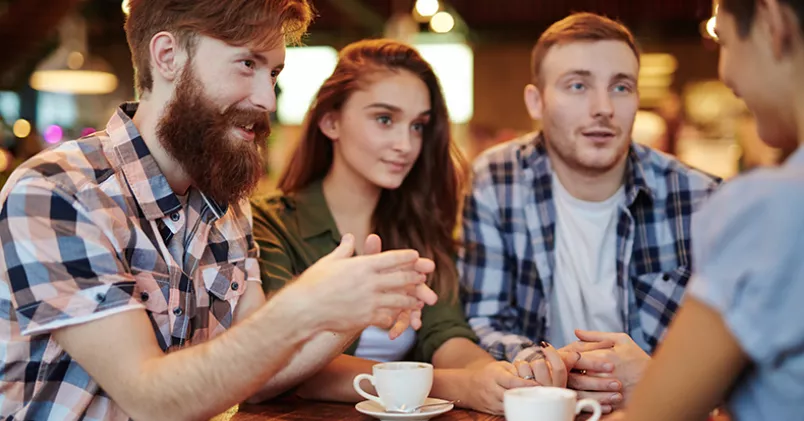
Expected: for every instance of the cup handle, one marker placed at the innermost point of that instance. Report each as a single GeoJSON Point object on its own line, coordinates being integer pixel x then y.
{"type": "Point", "coordinates": [363, 393]}
{"type": "Point", "coordinates": [591, 404]}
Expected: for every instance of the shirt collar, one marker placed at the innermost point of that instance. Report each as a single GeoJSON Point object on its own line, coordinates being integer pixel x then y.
{"type": "Point", "coordinates": [312, 213]}
{"type": "Point", "coordinates": [637, 181]}
{"type": "Point", "coordinates": [148, 184]}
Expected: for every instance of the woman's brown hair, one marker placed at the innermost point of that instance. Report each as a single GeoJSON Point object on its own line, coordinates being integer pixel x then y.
{"type": "Point", "coordinates": [422, 213]}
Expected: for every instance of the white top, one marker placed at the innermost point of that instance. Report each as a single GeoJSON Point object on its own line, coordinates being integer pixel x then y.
{"type": "Point", "coordinates": [585, 294]}
{"type": "Point", "coordinates": [375, 345]}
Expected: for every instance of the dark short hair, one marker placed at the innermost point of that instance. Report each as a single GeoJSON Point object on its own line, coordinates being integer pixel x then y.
{"type": "Point", "coordinates": [745, 10]}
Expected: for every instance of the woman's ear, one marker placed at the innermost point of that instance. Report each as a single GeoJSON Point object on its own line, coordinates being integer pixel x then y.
{"type": "Point", "coordinates": [330, 125]}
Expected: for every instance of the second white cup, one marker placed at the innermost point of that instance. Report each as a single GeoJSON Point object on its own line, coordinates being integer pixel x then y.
{"type": "Point", "coordinates": [546, 404]}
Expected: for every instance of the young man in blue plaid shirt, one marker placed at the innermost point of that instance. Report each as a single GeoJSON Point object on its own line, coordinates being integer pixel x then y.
{"type": "Point", "coordinates": [577, 227]}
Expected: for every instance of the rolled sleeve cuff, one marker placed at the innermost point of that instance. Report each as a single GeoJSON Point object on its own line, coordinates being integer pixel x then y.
{"type": "Point", "coordinates": [85, 305]}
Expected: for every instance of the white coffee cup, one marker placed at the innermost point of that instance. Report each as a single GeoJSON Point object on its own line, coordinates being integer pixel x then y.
{"type": "Point", "coordinates": [400, 385]}
{"type": "Point", "coordinates": [546, 404]}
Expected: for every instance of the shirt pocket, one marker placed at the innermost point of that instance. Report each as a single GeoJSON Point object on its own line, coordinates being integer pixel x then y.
{"type": "Point", "coordinates": [661, 293]}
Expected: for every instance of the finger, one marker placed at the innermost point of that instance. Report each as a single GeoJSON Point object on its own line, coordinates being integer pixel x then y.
{"type": "Point", "coordinates": [383, 319]}
{"type": "Point", "coordinates": [388, 260]}
{"type": "Point", "coordinates": [593, 384]}
{"type": "Point", "coordinates": [522, 370]}
{"type": "Point", "coordinates": [344, 250]}
{"type": "Point", "coordinates": [580, 346]}
{"type": "Point", "coordinates": [595, 336]}
{"type": "Point", "coordinates": [597, 361]}
{"type": "Point", "coordinates": [402, 323]}
{"type": "Point", "coordinates": [397, 281]}
{"type": "Point", "coordinates": [522, 376]}
{"type": "Point", "coordinates": [424, 265]}
{"type": "Point", "coordinates": [426, 294]}
{"type": "Point", "coordinates": [541, 372]}
{"type": "Point", "coordinates": [416, 319]}
{"type": "Point", "coordinates": [373, 244]}
{"type": "Point", "coordinates": [396, 301]}
{"type": "Point", "coordinates": [558, 370]}
{"type": "Point", "coordinates": [570, 359]}
{"type": "Point", "coordinates": [605, 398]}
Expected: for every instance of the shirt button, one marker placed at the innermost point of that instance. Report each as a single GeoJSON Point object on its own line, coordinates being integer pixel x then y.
{"type": "Point", "coordinates": [178, 311]}
{"type": "Point", "coordinates": [175, 216]}
{"type": "Point", "coordinates": [100, 297]}
{"type": "Point", "coordinates": [666, 277]}
{"type": "Point", "coordinates": [235, 286]}
{"type": "Point", "coordinates": [144, 296]}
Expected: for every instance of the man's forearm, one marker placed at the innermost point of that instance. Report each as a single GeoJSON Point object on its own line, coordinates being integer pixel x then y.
{"type": "Point", "coordinates": [334, 382]}
{"type": "Point", "coordinates": [202, 381]}
{"type": "Point", "coordinates": [316, 354]}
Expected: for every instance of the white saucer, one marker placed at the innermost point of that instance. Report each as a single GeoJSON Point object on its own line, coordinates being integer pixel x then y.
{"type": "Point", "coordinates": [377, 411]}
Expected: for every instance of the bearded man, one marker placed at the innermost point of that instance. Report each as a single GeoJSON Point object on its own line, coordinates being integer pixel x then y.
{"type": "Point", "coordinates": [129, 279]}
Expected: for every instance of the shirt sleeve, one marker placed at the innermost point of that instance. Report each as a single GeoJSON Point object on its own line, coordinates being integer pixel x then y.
{"type": "Point", "coordinates": [441, 322]}
{"type": "Point", "coordinates": [748, 248]}
{"type": "Point", "coordinates": [275, 265]}
{"type": "Point", "coordinates": [486, 276]}
{"type": "Point", "coordinates": [61, 266]}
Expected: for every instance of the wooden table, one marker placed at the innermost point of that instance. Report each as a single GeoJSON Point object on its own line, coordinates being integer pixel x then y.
{"type": "Point", "coordinates": [297, 409]}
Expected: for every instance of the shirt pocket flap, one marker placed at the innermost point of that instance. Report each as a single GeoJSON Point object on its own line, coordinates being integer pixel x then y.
{"type": "Point", "coordinates": [227, 280]}
{"type": "Point", "coordinates": [663, 290]}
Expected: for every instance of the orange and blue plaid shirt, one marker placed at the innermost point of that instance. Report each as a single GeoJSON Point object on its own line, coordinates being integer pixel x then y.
{"type": "Point", "coordinates": [90, 229]}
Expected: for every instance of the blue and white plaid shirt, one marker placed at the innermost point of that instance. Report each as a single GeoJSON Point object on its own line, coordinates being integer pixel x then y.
{"type": "Point", "coordinates": [508, 256]}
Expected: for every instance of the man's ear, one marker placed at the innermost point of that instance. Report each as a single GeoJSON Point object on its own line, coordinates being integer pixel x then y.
{"type": "Point", "coordinates": [781, 22]}
{"type": "Point", "coordinates": [167, 59]}
{"type": "Point", "coordinates": [534, 102]}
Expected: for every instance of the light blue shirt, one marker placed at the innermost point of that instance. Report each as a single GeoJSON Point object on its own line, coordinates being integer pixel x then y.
{"type": "Point", "coordinates": [749, 251]}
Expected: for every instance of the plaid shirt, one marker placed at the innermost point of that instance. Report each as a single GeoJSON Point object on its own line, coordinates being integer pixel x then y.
{"type": "Point", "coordinates": [86, 229]}
{"type": "Point", "coordinates": [508, 257]}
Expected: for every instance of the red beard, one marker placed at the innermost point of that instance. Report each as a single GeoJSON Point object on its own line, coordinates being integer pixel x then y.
{"type": "Point", "coordinates": [225, 167]}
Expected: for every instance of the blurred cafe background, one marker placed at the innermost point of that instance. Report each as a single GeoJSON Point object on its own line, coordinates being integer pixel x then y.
{"type": "Point", "coordinates": [65, 66]}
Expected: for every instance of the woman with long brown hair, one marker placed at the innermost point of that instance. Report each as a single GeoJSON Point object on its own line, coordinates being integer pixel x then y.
{"type": "Point", "coordinates": [376, 156]}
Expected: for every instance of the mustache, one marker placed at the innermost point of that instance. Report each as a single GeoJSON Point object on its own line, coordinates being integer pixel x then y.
{"type": "Point", "coordinates": [247, 116]}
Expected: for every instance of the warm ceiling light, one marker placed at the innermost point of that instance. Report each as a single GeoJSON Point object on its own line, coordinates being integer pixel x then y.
{"type": "Point", "coordinates": [442, 22]}
{"type": "Point", "coordinates": [70, 69]}
{"type": "Point", "coordinates": [21, 128]}
{"type": "Point", "coordinates": [710, 27]}
{"type": "Point", "coordinates": [426, 7]}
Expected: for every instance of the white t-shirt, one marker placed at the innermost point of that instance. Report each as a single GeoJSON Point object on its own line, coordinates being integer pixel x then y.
{"type": "Point", "coordinates": [375, 345]}
{"type": "Point", "coordinates": [585, 294]}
